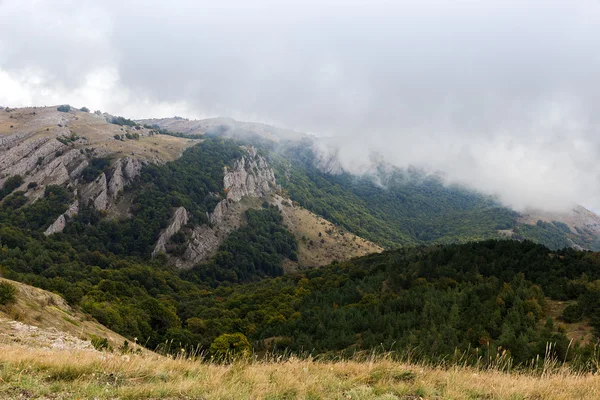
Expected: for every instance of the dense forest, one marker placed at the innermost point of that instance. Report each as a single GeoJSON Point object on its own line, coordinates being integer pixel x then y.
{"type": "Point", "coordinates": [436, 301]}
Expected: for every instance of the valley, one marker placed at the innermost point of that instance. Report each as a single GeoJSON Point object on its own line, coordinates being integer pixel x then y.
{"type": "Point", "coordinates": [223, 240]}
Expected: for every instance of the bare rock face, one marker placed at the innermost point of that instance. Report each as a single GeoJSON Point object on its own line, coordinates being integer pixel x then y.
{"type": "Point", "coordinates": [125, 171]}
{"type": "Point", "coordinates": [73, 209]}
{"type": "Point", "coordinates": [116, 183]}
{"type": "Point", "coordinates": [203, 244]}
{"type": "Point", "coordinates": [57, 226]}
{"type": "Point", "coordinates": [132, 168]}
{"type": "Point", "coordinates": [61, 221]}
{"type": "Point", "coordinates": [78, 169]}
{"type": "Point", "coordinates": [26, 156]}
{"type": "Point", "coordinates": [220, 211]}
{"type": "Point", "coordinates": [250, 176]}
{"type": "Point", "coordinates": [180, 218]}
{"type": "Point", "coordinates": [96, 192]}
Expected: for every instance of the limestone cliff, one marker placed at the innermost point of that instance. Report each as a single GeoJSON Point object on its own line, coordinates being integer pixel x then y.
{"type": "Point", "coordinates": [249, 176]}
{"type": "Point", "coordinates": [61, 221]}
{"type": "Point", "coordinates": [125, 171]}
{"type": "Point", "coordinates": [180, 218]}
{"type": "Point", "coordinates": [248, 180]}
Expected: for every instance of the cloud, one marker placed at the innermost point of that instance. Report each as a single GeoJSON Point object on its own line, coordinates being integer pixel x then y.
{"type": "Point", "coordinates": [501, 95]}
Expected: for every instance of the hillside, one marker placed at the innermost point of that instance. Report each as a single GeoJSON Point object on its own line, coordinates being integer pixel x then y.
{"type": "Point", "coordinates": [319, 241]}
{"type": "Point", "coordinates": [38, 318]}
{"type": "Point", "coordinates": [103, 163]}
{"type": "Point", "coordinates": [390, 206]}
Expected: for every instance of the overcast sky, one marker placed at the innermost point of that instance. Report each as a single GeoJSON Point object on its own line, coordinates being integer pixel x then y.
{"type": "Point", "coordinates": [501, 95]}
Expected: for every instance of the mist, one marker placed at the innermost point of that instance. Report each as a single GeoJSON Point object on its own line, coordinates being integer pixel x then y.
{"type": "Point", "coordinates": [501, 96]}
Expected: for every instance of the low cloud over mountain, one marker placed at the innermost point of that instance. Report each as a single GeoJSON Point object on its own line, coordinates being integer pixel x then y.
{"type": "Point", "coordinates": [500, 95]}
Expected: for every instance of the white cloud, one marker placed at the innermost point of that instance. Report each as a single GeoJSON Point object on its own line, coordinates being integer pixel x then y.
{"type": "Point", "coordinates": [502, 95]}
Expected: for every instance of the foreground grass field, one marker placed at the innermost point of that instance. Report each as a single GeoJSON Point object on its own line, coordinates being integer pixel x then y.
{"type": "Point", "coordinates": [27, 372]}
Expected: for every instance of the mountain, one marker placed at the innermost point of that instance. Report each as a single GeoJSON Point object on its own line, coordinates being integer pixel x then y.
{"type": "Point", "coordinates": [391, 206]}
{"type": "Point", "coordinates": [98, 158]}
{"type": "Point", "coordinates": [213, 239]}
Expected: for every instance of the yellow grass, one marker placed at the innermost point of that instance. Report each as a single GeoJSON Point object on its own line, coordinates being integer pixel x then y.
{"type": "Point", "coordinates": [43, 373]}
{"type": "Point", "coordinates": [334, 244]}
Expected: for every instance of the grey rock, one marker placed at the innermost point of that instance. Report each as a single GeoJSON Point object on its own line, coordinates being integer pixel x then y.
{"type": "Point", "coordinates": [180, 218]}
{"type": "Point", "coordinates": [116, 183]}
{"type": "Point", "coordinates": [96, 192]}
{"type": "Point", "coordinates": [57, 226]}
{"type": "Point", "coordinates": [203, 244]}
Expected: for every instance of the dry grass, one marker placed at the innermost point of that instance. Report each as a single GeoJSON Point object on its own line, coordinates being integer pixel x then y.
{"type": "Point", "coordinates": [38, 373]}
{"type": "Point", "coordinates": [334, 244]}
{"type": "Point", "coordinates": [98, 133]}
{"type": "Point", "coordinates": [41, 318]}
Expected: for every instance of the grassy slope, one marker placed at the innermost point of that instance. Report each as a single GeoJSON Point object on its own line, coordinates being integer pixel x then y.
{"type": "Point", "coordinates": [334, 244]}
{"type": "Point", "coordinates": [33, 373]}
{"type": "Point", "coordinates": [41, 318]}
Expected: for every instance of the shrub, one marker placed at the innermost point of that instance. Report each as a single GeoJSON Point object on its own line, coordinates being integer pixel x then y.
{"type": "Point", "coordinates": [99, 343]}
{"type": "Point", "coordinates": [84, 109]}
{"type": "Point", "coordinates": [122, 121]}
{"type": "Point", "coordinates": [572, 313]}
{"type": "Point", "coordinates": [229, 346]}
{"type": "Point", "coordinates": [8, 293]}
{"type": "Point", "coordinates": [64, 108]}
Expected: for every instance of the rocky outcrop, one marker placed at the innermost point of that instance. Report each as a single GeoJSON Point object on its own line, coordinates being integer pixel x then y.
{"type": "Point", "coordinates": [78, 169]}
{"type": "Point", "coordinates": [202, 245]}
{"type": "Point", "coordinates": [73, 209]}
{"type": "Point", "coordinates": [250, 176]}
{"type": "Point", "coordinates": [132, 168]}
{"type": "Point", "coordinates": [96, 192]}
{"type": "Point", "coordinates": [124, 172]}
{"type": "Point", "coordinates": [57, 226]}
{"type": "Point", "coordinates": [116, 181]}
{"type": "Point", "coordinates": [61, 221]}
{"type": "Point", "coordinates": [180, 218]}
{"type": "Point", "coordinates": [23, 158]}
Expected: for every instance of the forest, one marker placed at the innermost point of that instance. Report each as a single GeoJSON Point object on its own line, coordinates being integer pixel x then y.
{"type": "Point", "coordinates": [434, 301]}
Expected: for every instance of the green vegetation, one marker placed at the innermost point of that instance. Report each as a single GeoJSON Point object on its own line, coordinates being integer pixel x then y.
{"type": "Point", "coordinates": [230, 346]}
{"type": "Point", "coordinates": [254, 251]}
{"type": "Point", "coordinates": [441, 302]}
{"type": "Point", "coordinates": [557, 235]}
{"type": "Point", "coordinates": [121, 121]}
{"type": "Point", "coordinates": [430, 301]}
{"type": "Point", "coordinates": [37, 216]}
{"type": "Point", "coordinates": [64, 108]}
{"type": "Point", "coordinates": [95, 167]}
{"type": "Point", "coordinates": [7, 293]}
{"type": "Point", "coordinates": [10, 185]}
{"type": "Point", "coordinates": [392, 208]}
{"type": "Point", "coordinates": [84, 109]}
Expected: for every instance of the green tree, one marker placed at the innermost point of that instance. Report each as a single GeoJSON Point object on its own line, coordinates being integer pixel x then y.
{"type": "Point", "coordinates": [7, 293]}
{"type": "Point", "coordinates": [229, 346]}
